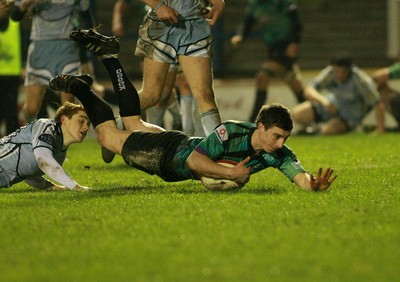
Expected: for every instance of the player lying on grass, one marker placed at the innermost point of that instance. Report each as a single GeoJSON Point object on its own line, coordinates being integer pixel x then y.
{"type": "Point", "coordinates": [173, 155]}
{"type": "Point", "coordinates": [40, 148]}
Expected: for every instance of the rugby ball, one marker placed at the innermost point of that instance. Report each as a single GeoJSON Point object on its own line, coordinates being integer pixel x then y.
{"type": "Point", "coordinates": [221, 184]}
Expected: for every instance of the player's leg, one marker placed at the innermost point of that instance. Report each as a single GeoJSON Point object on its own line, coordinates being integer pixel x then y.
{"type": "Point", "coordinates": [303, 113]}
{"type": "Point", "coordinates": [186, 102]}
{"type": "Point", "coordinates": [155, 114]}
{"type": "Point", "coordinates": [33, 101]}
{"type": "Point", "coordinates": [100, 113]}
{"type": "Point", "coordinates": [395, 108]}
{"type": "Point", "coordinates": [154, 77]}
{"type": "Point", "coordinates": [306, 117]}
{"type": "Point", "coordinates": [198, 72]}
{"type": "Point", "coordinates": [381, 77]}
{"type": "Point", "coordinates": [267, 70]}
{"type": "Point", "coordinates": [128, 98]}
{"type": "Point", "coordinates": [334, 126]}
{"type": "Point", "coordinates": [294, 80]}
{"type": "Point", "coordinates": [107, 49]}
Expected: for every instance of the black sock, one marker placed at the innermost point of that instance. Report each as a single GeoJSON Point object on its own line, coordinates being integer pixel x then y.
{"type": "Point", "coordinates": [110, 96]}
{"type": "Point", "coordinates": [97, 109]}
{"type": "Point", "coordinates": [261, 97]}
{"type": "Point", "coordinates": [127, 96]}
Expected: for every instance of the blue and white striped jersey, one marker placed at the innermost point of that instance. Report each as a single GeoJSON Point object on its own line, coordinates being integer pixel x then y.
{"type": "Point", "coordinates": [17, 159]}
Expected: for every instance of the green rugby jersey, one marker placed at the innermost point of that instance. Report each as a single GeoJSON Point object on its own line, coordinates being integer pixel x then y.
{"type": "Point", "coordinates": [232, 141]}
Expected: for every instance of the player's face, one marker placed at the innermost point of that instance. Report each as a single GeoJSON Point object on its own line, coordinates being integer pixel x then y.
{"type": "Point", "coordinates": [76, 127]}
{"type": "Point", "coordinates": [341, 74]}
{"type": "Point", "coordinates": [272, 139]}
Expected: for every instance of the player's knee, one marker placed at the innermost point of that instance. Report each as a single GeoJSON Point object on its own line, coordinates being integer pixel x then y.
{"type": "Point", "coordinates": [303, 113]}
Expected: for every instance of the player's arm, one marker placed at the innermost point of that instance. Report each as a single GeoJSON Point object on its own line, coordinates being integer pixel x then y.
{"type": "Point", "coordinates": [39, 183]}
{"type": "Point", "coordinates": [312, 94]}
{"type": "Point", "coordinates": [202, 165]}
{"type": "Point", "coordinates": [243, 31]}
{"type": "Point", "coordinates": [321, 182]}
{"type": "Point", "coordinates": [47, 163]}
{"type": "Point", "coordinates": [215, 12]}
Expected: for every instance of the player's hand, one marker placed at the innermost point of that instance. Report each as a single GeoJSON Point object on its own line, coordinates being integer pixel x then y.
{"type": "Point", "coordinates": [79, 187]}
{"type": "Point", "coordinates": [215, 12]}
{"type": "Point", "coordinates": [242, 172]}
{"type": "Point", "coordinates": [323, 180]}
{"type": "Point", "coordinates": [167, 14]}
{"type": "Point", "coordinates": [56, 187]}
{"type": "Point", "coordinates": [329, 106]}
{"type": "Point", "coordinates": [236, 41]}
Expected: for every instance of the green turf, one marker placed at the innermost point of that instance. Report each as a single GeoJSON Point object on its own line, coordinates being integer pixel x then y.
{"type": "Point", "coordinates": [135, 227]}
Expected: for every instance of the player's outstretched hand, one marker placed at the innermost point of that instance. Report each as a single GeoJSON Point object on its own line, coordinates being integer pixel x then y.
{"type": "Point", "coordinates": [56, 187]}
{"type": "Point", "coordinates": [79, 187]}
{"type": "Point", "coordinates": [323, 180]}
{"type": "Point", "coordinates": [215, 12]}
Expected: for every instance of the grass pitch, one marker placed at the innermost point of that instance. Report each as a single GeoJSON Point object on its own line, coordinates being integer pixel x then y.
{"type": "Point", "coordinates": [135, 227]}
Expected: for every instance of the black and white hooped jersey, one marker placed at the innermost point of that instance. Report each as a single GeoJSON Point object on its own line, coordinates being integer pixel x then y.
{"type": "Point", "coordinates": [17, 159]}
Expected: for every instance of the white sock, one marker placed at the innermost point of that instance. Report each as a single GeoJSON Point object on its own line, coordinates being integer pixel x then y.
{"type": "Point", "coordinates": [210, 120]}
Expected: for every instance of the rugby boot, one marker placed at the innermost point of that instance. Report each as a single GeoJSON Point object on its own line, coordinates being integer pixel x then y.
{"type": "Point", "coordinates": [63, 82]}
{"type": "Point", "coordinates": [99, 44]}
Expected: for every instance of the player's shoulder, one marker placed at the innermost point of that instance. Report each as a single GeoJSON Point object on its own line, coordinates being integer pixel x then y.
{"type": "Point", "coordinates": [360, 74]}
{"type": "Point", "coordinates": [238, 123]}
{"type": "Point", "coordinates": [45, 121]}
{"type": "Point", "coordinates": [233, 128]}
{"type": "Point", "coordinates": [46, 125]}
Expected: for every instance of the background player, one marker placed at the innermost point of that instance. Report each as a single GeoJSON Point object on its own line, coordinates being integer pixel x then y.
{"type": "Point", "coordinates": [280, 27]}
{"type": "Point", "coordinates": [40, 148]}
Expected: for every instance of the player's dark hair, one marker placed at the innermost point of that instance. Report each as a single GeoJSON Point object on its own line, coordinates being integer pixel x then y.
{"type": "Point", "coordinates": [275, 115]}
{"type": "Point", "coordinates": [68, 110]}
{"type": "Point", "coordinates": [342, 60]}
